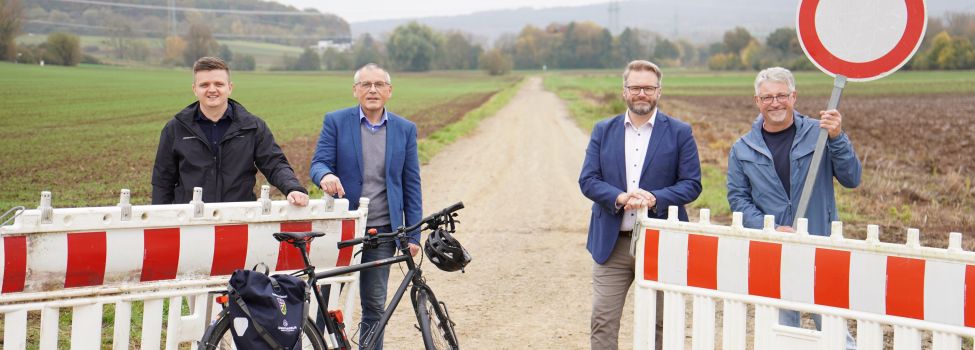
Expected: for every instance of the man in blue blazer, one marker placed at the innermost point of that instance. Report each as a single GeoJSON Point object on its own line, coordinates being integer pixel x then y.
{"type": "Point", "coordinates": [642, 158]}
{"type": "Point", "coordinates": [367, 151]}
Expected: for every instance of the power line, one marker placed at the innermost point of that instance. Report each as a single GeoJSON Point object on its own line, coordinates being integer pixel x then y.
{"type": "Point", "coordinates": [215, 35]}
{"type": "Point", "coordinates": [195, 9]}
{"type": "Point", "coordinates": [86, 26]}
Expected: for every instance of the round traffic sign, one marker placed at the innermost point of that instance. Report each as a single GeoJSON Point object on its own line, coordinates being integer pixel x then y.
{"type": "Point", "coordinates": [862, 40]}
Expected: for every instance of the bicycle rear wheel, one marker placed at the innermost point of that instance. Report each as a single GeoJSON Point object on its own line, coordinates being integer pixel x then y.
{"type": "Point", "coordinates": [218, 337]}
{"type": "Point", "coordinates": [435, 324]}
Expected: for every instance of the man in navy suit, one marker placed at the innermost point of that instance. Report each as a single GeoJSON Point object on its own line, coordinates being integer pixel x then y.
{"type": "Point", "coordinates": [642, 158]}
{"type": "Point", "coordinates": [367, 151]}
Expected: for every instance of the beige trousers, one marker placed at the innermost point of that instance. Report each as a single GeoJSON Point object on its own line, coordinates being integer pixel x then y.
{"type": "Point", "coordinates": [610, 283]}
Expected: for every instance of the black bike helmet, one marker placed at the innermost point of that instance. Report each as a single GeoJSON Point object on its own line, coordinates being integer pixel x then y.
{"type": "Point", "coordinates": [445, 251]}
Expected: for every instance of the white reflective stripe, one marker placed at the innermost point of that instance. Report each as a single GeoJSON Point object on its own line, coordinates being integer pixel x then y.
{"type": "Point", "coordinates": [733, 265]}
{"type": "Point", "coordinates": [195, 251]}
{"type": "Point", "coordinates": [324, 252]}
{"type": "Point", "coordinates": [47, 259]}
{"type": "Point", "coordinates": [868, 282]}
{"type": "Point", "coordinates": [797, 276]}
{"type": "Point", "coordinates": [124, 253]}
{"type": "Point", "coordinates": [672, 258]}
{"type": "Point", "coordinates": [944, 292]}
{"type": "Point", "coordinates": [261, 245]}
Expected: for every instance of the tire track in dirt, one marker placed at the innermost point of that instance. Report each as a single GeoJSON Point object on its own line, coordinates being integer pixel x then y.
{"type": "Point", "coordinates": [525, 223]}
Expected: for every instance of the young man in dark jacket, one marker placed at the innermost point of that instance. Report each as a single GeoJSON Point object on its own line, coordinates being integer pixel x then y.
{"type": "Point", "coordinates": [218, 145]}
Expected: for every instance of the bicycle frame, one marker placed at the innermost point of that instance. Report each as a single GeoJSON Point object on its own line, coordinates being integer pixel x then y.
{"type": "Point", "coordinates": [413, 276]}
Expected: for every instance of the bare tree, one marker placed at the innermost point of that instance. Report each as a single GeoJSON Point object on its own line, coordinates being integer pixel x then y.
{"type": "Point", "coordinates": [11, 18]}
{"type": "Point", "coordinates": [199, 43]}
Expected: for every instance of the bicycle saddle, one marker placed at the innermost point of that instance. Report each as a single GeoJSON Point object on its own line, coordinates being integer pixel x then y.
{"type": "Point", "coordinates": [289, 236]}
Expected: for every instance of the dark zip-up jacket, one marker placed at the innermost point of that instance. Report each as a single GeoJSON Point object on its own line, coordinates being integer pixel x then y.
{"type": "Point", "coordinates": [185, 160]}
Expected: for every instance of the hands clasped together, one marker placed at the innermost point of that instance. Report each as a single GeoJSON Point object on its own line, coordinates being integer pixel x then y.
{"type": "Point", "coordinates": [636, 199]}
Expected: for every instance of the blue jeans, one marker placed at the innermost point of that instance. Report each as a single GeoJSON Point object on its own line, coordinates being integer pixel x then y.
{"type": "Point", "coordinates": [791, 318]}
{"type": "Point", "coordinates": [372, 288]}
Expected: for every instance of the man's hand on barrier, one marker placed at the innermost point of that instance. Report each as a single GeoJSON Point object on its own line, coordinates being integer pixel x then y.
{"type": "Point", "coordinates": [298, 198]}
{"type": "Point", "coordinates": [788, 229]}
{"type": "Point", "coordinates": [332, 186]}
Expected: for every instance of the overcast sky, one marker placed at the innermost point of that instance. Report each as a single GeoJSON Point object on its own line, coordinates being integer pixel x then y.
{"type": "Point", "coordinates": [358, 11]}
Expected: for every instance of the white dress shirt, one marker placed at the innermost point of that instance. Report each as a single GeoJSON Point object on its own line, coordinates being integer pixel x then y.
{"type": "Point", "coordinates": [636, 141]}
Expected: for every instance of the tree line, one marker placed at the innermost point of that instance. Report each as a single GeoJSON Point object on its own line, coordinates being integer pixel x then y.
{"type": "Point", "coordinates": [948, 44]}
{"type": "Point", "coordinates": [274, 26]}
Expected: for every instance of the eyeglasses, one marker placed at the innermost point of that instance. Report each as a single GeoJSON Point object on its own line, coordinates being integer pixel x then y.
{"type": "Point", "coordinates": [782, 98]}
{"type": "Point", "coordinates": [636, 90]}
{"type": "Point", "coordinates": [379, 85]}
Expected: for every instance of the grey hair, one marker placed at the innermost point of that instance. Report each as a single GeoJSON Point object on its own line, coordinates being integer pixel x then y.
{"type": "Point", "coordinates": [355, 77]}
{"type": "Point", "coordinates": [642, 66]}
{"type": "Point", "coordinates": [775, 74]}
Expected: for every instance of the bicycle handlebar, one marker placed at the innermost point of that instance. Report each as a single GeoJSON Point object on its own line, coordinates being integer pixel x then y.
{"type": "Point", "coordinates": [432, 219]}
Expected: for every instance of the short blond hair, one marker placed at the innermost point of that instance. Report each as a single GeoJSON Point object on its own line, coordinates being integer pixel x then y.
{"type": "Point", "coordinates": [642, 66]}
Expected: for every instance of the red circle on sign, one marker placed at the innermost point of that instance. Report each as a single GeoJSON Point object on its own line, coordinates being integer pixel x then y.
{"type": "Point", "coordinates": [908, 43]}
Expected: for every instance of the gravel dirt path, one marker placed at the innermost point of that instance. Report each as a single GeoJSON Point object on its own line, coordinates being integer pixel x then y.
{"type": "Point", "coordinates": [525, 223]}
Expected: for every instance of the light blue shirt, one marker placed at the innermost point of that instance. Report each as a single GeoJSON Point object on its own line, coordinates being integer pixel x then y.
{"type": "Point", "coordinates": [365, 121]}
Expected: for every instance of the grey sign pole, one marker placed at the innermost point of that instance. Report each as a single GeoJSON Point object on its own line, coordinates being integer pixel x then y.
{"type": "Point", "coordinates": [834, 102]}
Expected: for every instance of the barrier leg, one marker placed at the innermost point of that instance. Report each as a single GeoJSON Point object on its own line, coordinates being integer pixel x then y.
{"type": "Point", "coordinates": [152, 323]}
{"type": "Point", "coordinates": [906, 338]}
{"type": "Point", "coordinates": [86, 327]}
{"type": "Point", "coordinates": [945, 341]}
{"type": "Point", "coordinates": [645, 312]}
{"type": "Point", "coordinates": [49, 328]}
{"type": "Point", "coordinates": [15, 329]}
{"type": "Point", "coordinates": [766, 317]}
{"type": "Point", "coordinates": [702, 337]}
{"type": "Point", "coordinates": [733, 334]}
{"type": "Point", "coordinates": [674, 322]}
{"type": "Point", "coordinates": [173, 322]}
{"type": "Point", "coordinates": [123, 322]}
{"type": "Point", "coordinates": [869, 335]}
{"type": "Point", "coordinates": [833, 332]}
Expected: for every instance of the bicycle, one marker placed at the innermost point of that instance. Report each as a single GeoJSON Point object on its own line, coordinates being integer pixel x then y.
{"type": "Point", "coordinates": [434, 321]}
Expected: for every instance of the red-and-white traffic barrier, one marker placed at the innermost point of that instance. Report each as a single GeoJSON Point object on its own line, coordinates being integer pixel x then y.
{"type": "Point", "coordinates": [84, 258]}
{"type": "Point", "coordinates": [912, 288]}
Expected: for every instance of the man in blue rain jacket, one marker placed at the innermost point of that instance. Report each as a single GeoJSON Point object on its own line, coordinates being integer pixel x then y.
{"type": "Point", "coordinates": [775, 156]}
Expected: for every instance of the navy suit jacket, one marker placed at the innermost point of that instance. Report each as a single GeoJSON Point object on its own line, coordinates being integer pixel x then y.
{"type": "Point", "coordinates": [671, 171]}
{"type": "Point", "coordinates": [339, 152]}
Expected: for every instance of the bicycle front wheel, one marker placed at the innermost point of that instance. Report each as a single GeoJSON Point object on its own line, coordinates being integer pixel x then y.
{"type": "Point", "coordinates": [218, 337]}
{"type": "Point", "coordinates": [435, 324]}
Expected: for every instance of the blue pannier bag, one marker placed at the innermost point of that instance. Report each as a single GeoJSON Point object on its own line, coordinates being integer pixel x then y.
{"type": "Point", "coordinates": [267, 313]}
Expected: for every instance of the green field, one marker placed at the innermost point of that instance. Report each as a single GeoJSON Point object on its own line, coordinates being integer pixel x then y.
{"type": "Point", "coordinates": [86, 132]}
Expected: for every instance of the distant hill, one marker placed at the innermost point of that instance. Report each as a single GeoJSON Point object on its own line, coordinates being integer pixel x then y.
{"type": "Point", "coordinates": [253, 20]}
{"type": "Point", "coordinates": [700, 21]}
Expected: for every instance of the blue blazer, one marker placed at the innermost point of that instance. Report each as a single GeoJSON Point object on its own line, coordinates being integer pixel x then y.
{"type": "Point", "coordinates": [671, 171]}
{"type": "Point", "coordinates": [339, 152]}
